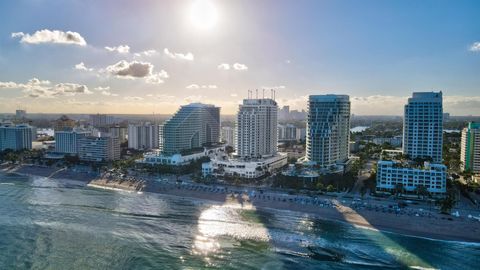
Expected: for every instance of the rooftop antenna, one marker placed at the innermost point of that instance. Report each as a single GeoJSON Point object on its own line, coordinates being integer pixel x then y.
{"type": "Point", "coordinates": [263, 93]}
{"type": "Point", "coordinates": [271, 93]}
{"type": "Point", "coordinates": [256, 90]}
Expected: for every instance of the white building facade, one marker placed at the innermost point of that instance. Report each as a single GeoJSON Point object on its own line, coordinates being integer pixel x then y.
{"type": "Point", "coordinates": [228, 136]}
{"type": "Point", "coordinates": [143, 136]}
{"type": "Point", "coordinates": [256, 128]}
{"type": "Point", "coordinates": [423, 126]}
{"type": "Point", "coordinates": [391, 173]}
{"type": "Point", "coordinates": [66, 142]}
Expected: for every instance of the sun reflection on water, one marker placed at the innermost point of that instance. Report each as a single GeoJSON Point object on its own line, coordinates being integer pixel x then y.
{"type": "Point", "coordinates": [219, 225]}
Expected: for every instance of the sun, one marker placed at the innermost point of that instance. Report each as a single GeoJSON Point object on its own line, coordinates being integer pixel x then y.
{"type": "Point", "coordinates": [203, 14]}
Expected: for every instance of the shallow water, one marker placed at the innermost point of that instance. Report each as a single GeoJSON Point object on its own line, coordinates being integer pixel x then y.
{"type": "Point", "coordinates": [45, 224]}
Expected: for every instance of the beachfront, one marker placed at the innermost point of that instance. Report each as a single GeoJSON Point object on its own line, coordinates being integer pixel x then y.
{"type": "Point", "coordinates": [372, 214]}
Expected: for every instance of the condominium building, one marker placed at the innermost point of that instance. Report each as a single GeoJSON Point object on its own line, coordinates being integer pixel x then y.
{"type": "Point", "coordinates": [121, 132]}
{"type": "Point", "coordinates": [20, 114]}
{"type": "Point", "coordinates": [191, 127]}
{"type": "Point", "coordinates": [289, 132]}
{"type": "Point", "coordinates": [470, 148]}
{"type": "Point", "coordinates": [256, 128]}
{"type": "Point", "coordinates": [228, 136]}
{"type": "Point", "coordinates": [423, 126]}
{"type": "Point", "coordinates": [16, 137]}
{"type": "Point", "coordinates": [98, 149]}
{"type": "Point", "coordinates": [391, 174]}
{"type": "Point", "coordinates": [66, 141]}
{"type": "Point", "coordinates": [101, 120]}
{"type": "Point", "coordinates": [143, 136]}
{"type": "Point", "coordinates": [328, 129]}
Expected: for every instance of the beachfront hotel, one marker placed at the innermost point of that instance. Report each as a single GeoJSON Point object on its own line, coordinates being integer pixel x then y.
{"type": "Point", "coordinates": [143, 136]}
{"type": "Point", "coordinates": [328, 130]}
{"type": "Point", "coordinates": [66, 141]}
{"type": "Point", "coordinates": [422, 138]}
{"type": "Point", "coordinates": [430, 175]}
{"type": "Point", "coordinates": [191, 127]}
{"type": "Point", "coordinates": [256, 143]}
{"type": "Point", "coordinates": [470, 148]}
{"type": "Point", "coordinates": [423, 126]}
{"type": "Point", "coordinates": [256, 128]}
{"type": "Point", "coordinates": [16, 137]}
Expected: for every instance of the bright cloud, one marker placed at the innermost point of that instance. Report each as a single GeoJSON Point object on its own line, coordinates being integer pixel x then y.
{"type": "Point", "coordinates": [181, 56]}
{"type": "Point", "coordinates": [236, 66]}
{"type": "Point", "coordinates": [475, 47]}
{"type": "Point", "coordinates": [119, 49]}
{"type": "Point", "coordinates": [136, 69]}
{"type": "Point", "coordinates": [145, 53]}
{"type": "Point", "coordinates": [44, 89]}
{"type": "Point", "coordinates": [223, 66]}
{"type": "Point", "coordinates": [196, 86]}
{"type": "Point", "coordinates": [51, 36]}
{"type": "Point", "coordinates": [81, 66]}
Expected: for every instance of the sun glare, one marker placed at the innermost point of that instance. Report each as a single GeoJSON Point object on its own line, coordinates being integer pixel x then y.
{"type": "Point", "coordinates": [203, 14]}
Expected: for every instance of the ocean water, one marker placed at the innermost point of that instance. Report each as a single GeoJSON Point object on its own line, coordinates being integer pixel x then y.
{"type": "Point", "coordinates": [45, 224]}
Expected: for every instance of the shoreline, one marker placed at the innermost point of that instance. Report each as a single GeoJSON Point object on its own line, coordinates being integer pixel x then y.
{"type": "Point", "coordinates": [455, 230]}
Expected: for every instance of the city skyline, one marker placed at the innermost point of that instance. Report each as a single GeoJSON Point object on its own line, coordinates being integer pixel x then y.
{"type": "Point", "coordinates": [153, 56]}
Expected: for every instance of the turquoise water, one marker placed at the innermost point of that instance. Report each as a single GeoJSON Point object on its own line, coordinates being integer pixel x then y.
{"type": "Point", "coordinates": [45, 224]}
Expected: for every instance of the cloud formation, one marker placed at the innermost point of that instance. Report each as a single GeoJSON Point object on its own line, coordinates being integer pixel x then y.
{"type": "Point", "coordinates": [180, 56]}
{"type": "Point", "coordinates": [129, 98]}
{"type": "Point", "coordinates": [235, 66]}
{"type": "Point", "coordinates": [81, 66]}
{"type": "Point", "coordinates": [196, 86]}
{"type": "Point", "coordinates": [145, 53]}
{"type": "Point", "coordinates": [36, 88]}
{"type": "Point", "coordinates": [224, 66]}
{"type": "Point", "coordinates": [475, 47]}
{"type": "Point", "coordinates": [119, 49]}
{"type": "Point", "coordinates": [51, 36]}
{"type": "Point", "coordinates": [136, 69]}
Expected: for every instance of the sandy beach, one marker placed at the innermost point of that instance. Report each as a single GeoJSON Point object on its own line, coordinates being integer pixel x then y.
{"type": "Point", "coordinates": [429, 224]}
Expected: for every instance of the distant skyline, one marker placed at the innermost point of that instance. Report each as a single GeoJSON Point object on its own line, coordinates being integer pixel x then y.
{"type": "Point", "coordinates": [148, 56]}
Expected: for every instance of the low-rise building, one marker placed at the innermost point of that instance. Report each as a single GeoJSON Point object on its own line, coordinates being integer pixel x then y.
{"type": "Point", "coordinates": [156, 157]}
{"type": "Point", "coordinates": [390, 174]}
{"type": "Point", "coordinates": [253, 168]}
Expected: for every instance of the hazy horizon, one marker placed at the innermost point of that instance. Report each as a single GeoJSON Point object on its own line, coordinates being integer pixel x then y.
{"type": "Point", "coordinates": [140, 57]}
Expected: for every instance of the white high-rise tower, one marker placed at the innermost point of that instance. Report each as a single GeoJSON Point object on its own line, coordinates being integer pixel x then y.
{"type": "Point", "coordinates": [256, 128]}
{"type": "Point", "coordinates": [423, 126]}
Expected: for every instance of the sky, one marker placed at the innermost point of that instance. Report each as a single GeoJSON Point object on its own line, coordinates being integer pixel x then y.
{"type": "Point", "coordinates": [148, 56]}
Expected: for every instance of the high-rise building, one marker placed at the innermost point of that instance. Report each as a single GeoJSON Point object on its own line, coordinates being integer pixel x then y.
{"type": "Point", "coordinates": [20, 114]}
{"type": "Point", "coordinates": [470, 148]}
{"type": "Point", "coordinates": [328, 129]}
{"type": "Point", "coordinates": [192, 126]}
{"type": "Point", "coordinates": [423, 126]}
{"type": "Point", "coordinates": [101, 120]}
{"type": "Point", "coordinates": [64, 124]}
{"type": "Point", "coordinates": [98, 149]}
{"type": "Point", "coordinates": [256, 128]}
{"type": "Point", "coordinates": [143, 136]}
{"type": "Point", "coordinates": [66, 141]}
{"type": "Point", "coordinates": [287, 132]}
{"type": "Point", "coordinates": [228, 136]}
{"type": "Point", "coordinates": [16, 137]}
{"type": "Point", "coordinates": [119, 131]}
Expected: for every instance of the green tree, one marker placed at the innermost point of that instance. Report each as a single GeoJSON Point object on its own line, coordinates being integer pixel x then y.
{"type": "Point", "coordinates": [330, 188]}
